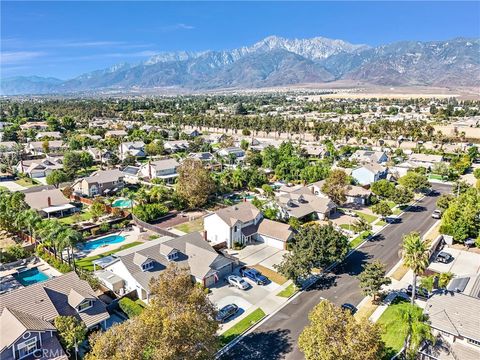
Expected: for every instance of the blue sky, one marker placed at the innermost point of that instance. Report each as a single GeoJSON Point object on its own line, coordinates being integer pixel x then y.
{"type": "Point", "coordinates": [65, 39]}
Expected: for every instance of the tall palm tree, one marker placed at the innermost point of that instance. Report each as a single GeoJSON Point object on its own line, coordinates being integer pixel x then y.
{"type": "Point", "coordinates": [416, 329]}
{"type": "Point", "coordinates": [415, 255]}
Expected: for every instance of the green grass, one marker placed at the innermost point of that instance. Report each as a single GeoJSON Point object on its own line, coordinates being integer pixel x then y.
{"type": "Point", "coordinates": [381, 223]}
{"type": "Point", "coordinates": [72, 219]}
{"type": "Point", "coordinates": [397, 211]}
{"type": "Point", "coordinates": [435, 177]}
{"type": "Point", "coordinates": [346, 226]}
{"type": "Point", "coordinates": [367, 217]}
{"type": "Point", "coordinates": [27, 182]}
{"type": "Point", "coordinates": [393, 326]}
{"type": "Point", "coordinates": [288, 291]}
{"type": "Point", "coordinates": [86, 263]}
{"type": "Point", "coordinates": [359, 239]}
{"type": "Point", "coordinates": [191, 226]}
{"type": "Point", "coordinates": [241, 326]}
{"type": "Point", "coordinates": [391, 204]}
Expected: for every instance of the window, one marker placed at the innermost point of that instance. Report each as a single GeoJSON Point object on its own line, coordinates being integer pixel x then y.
{"type": "Point", "coordinates": [235, 229]}
{"type": "Point", "coordinates": [27, 347]}
{"type": "Point", "coordinates": [473, 342]}
{"type": "Point", "coordinates": [172, 256]}
{"type": "Point", "coordinates": [85, 305]}
{"type": "Point", "coordinates": [147, 266]}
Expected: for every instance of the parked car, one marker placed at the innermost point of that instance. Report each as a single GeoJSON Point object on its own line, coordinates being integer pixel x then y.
{"type": "Point", "coordinates": [349, 307]}
{"type": "Point", "coordinates": [350, 213]}
{"type": "Point", "coordinates": [238, 282]}
{"type": "Point", "coordinates": [420, 293]}
{"type": "Point", "coordinates": [436, 214]}
{"type": "Point", "coordinates": [443, 257]}
{"type": "Point", "coordinates": [393, 219]}
{"type": "Point", "coordinates": [226, 312]}
{"type": "Point", "coordinates": [254, 275]}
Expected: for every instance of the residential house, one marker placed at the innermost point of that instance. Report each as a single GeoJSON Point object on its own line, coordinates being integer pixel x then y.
{"type": "Point", "coordinates": [27, 316]}
{"type": "Point", "coordinates": [138, 265]}
{"type": "Point", "coordinates": [165, 169]}
{"type": "Point", "coordinates": [425, 160]}
{"type": "Point", "coordinates": [369, 156]}
{"type": "Point", "coordinates": [38, 147]}
{"type": "Point", "coordinates": [316, 151]}
{"type": "Point", "coordinates": [115, 134]}
{"type": "Point", "coordinates": [455, 321]}
{"type": "Point", "coordinates": [101, 182]}
{"type": "Point", "coordinates": [38, 168]}
{"type": "Point", "coordinates": [357, 195]}
{"type": "Point", "coordinates": [192, 133]}
{"type": "Point", "coordinates": [232, 153]}
{"type": "Point", "coordinates": [100, 155]}
{"type": "Point", "coordinates": [37, 125]}
{"type": "Point", "coordinates": [49, 203]}
{"type": "Point", "coordinates": [131, 174]}
{"type": "Point", "coordinates": [7, 147]}
{"type": "Point", "coordinates": [132, 148]}
{"type": "Point", "coordinates": [175, 146]}
{"type": "Point", "coordinates": [214, 138]}
{"type": "Point", "coordinates": [304, 204]}
{"type": "Point", "coordinates": [203, 156]}
{"type": "Point", "coordinates": [244, 223]}
{"type": "Point", "coordinates": [55, 135]}
{"type": "Point", "coordinates": [369, 173]}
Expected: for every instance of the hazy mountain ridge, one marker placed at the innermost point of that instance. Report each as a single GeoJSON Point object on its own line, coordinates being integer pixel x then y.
{"type": "Point", "coordinates": [276, 61]}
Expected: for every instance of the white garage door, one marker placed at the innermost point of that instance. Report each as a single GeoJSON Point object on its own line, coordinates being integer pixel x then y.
{"type": "Point", "coordinates": [277, 244]}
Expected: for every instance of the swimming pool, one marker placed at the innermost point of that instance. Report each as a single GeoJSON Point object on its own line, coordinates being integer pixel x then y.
{"type": "Point", "coordinates": [107, 240]}
{"type": "Point", "coordinates": [30, 276]}
{"type": "Point", "coordinates": [122, 203]}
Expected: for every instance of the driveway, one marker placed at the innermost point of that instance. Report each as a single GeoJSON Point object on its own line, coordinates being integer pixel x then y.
{"type": "Point", "coordinates": [12, 186]}
{"type": "Point", "coordinates": [259, 253]}
{"type": "Point", "coordinates": [464, 263]}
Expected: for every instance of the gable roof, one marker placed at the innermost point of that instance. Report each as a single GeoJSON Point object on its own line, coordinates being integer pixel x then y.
{"type": "Point", "coordinates": [243, 212]}
{"type": "Point", "coordinates": [49, 299]}
{"type": "Point", "coordinates": [39, 200]}
{"type": "Point", "coordinates": [104, 176]}
{"type": "Point", "coordinates": [275, 229]}
{"type": "Point", "coordinates": [455, 313]}
{"type": "Point", "coordinates": [164, 164]}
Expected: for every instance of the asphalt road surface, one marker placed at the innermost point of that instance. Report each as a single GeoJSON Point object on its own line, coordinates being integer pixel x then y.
{"type": "Point", "coordinates": [277, 337]}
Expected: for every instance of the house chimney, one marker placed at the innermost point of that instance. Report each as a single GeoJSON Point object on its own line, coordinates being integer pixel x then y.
{"type": "Point", "coordinates": [49, 201]}
{"type": "Point", "coordinates": [149, 170]}
{"type": "Point", "coordinates": [205, 235]}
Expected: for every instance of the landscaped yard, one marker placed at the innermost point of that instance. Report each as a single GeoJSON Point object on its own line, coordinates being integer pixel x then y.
{"type": "Point", "coordinates": [86, 263]}
{"type": "Point", "coordinates": [359, 239]}
{"type": "Point", "coordinates": [78, 217]}
{"type": "Point", "coordinates": [435, 177]}
{"type": "Point", "coordinates": [367, 217]}
{"type": "Point", "coordinates": [381, 223]}
{"type": "Point", "coordinates": [272, 275]}
{"type": "Point", "coordinates": [26, 182]}
{"type": "Point", "coordinates": [191, 226]}
{"type": "Point", "coordinates": [346, 226]}
{"type": "Point", "coordinates": [393, 326]}
{"type": "Point", "coordinates": [367, 309]}
{"type": "Point", "coordinates": [400, 272]}
{"type": "Point", "coordinates": [241, 326]}
{"type": "Point", "coordinates": [288, 291]}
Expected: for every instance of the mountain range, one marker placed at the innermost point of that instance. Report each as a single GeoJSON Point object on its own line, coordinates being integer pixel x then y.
{"type": "Point", "coordinates": [276, 61]}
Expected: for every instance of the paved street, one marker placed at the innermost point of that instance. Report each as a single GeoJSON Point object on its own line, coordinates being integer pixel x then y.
{"type": "Point", "coordinates": [277, 337]}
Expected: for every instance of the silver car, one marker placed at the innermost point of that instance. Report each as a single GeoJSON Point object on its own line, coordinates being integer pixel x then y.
{"type": "Point", "coordinates": [238, 282]}
{"type": "Point", "coordinates": [437, 214]}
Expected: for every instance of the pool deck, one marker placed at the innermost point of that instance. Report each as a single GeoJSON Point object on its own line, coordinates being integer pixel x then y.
{"type": "Point", "coordinates": [130, 236]}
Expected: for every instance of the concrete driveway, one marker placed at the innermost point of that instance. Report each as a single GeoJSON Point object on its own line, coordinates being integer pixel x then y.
{"type": "Point", "coordinates": [464, 263]}
{"type": "Point", "coordinates": [259, 253]}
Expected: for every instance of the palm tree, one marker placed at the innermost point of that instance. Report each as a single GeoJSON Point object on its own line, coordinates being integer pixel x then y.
{"type": "Point", "coordinates": [70, 238]}
{"type": "Point", "coordinates": [416, 329]}
{"type": "Point", "coordinates": [416, 256]}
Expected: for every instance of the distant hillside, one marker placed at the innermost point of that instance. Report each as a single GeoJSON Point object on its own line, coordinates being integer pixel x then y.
{"type": "Point", "coordinates": [275, 61]}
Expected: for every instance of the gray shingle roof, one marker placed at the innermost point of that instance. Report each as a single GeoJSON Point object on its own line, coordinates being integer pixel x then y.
{"type": "Point", "coordinates": [244, 212]}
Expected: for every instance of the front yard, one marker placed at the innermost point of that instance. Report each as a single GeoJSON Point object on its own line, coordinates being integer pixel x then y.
{"type": "Point", "coordinates": [367, 217]}
{"type": "Point", "coordinates": [288, 291]}
{"type": "Point", "coordinates": [272, 275]}
{"type": "Point", "coordinates": [393, 326]}
{"type": "Point", "coordinates": [242, 326]}
{"type": "Point", "coordinates": [27, 182]}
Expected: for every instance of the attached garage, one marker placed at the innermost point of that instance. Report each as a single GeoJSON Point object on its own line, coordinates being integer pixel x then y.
{"type": "Point", "coordinates": [221, 273]}
{"type": "Point", "coordinates": [274, 234]}
{"type": "Point", "coordinates": [270, 241]}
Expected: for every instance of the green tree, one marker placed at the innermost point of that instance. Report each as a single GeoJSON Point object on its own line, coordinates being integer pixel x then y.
{"type": "Point", "coordinates": [402, 195]}
{"type": "Point", "coordinates": [335, 186]}
{"type": "Point", "coordinates": [414, 181]}
{"type": "Point", "coordinates": [314, 246]}
{"type": "Point", "coordinates": [194, 183]}
{"type": "Point", "coordinates": [56, 177]}
{"type": "Point", "coordinates": [71, 331]}
{"type": "Point", "coordinates": [383, 188]}
{"type": "Point", "coordinates": [415, 255]}
{"type": "Point", "coordinates": [154, 148]}
{"type": "Point", "coordinates": [415, 331]}
{"type": "Point", "coordinates": [372, 278]}
{"type": "Point", "coordinates": [382, 208]}
{"type": "Point", "coordinates": [334, 334]}
{"type": "Point", "coordinates": [178, 323]}
{"type": "Point", "coordinates": [361, 225]}
{"type": "Point", "coordinates": [443, 201]}
{"type": "Point", "coordinates": [98, 208]}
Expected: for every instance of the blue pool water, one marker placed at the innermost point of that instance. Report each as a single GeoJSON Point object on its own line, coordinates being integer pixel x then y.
{"type": "Point", "coordinates": [122, 203]}
{"type": "Point", "coordinates": [30, 277]}
{"type": "Point", "coordinates": [107, 240]}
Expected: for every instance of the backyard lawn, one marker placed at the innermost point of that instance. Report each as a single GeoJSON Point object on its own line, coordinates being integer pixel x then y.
{"type": "Point", "coordinates": [191, 226]}
{"type": "Point", "coordinates": [288, 291]}
{"type": "Point", "coordinates": [393, 326]}
{"type": "Point", "coordinates": [272, 275]}
{"type": "Point", "coordinates": [86, 263]}
{"type": "Point", "coordinates": [78, 217]}
{"type": "Point", "coordinates": [241, 326]}
{"type": "Point", "coordinates": [367, 217]}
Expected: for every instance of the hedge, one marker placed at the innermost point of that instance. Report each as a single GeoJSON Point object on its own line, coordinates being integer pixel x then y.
{"type": "Point", "coordinates": [130, 307]}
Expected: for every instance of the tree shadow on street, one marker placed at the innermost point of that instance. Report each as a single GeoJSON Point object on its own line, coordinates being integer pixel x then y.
{"type": "Point", "coordinates": [268, 345]}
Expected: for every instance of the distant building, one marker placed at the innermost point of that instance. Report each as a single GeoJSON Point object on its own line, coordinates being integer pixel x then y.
{"type": "Point", "coordinates": [102, 182]}
{"type": "Point", "coordinates": [369, 173]}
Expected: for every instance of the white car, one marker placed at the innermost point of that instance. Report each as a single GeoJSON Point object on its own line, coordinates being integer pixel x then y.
{"type": "Point", "coordinates": [437, 214]}
{"type": "Point", "coordinates": [238, 282]}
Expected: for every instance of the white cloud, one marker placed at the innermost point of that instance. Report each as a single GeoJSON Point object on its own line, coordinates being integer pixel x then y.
{"type": "Point", "coordinates": [13, 57]}
{"type": "Point", "coordinates": [175, 27]}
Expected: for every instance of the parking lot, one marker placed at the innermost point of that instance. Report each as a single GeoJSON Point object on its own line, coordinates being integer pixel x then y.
{"type": "Point", "coordinates": [463, 263]}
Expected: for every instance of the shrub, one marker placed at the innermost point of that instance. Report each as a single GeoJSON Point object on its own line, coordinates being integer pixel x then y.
{"type": "Point", "coordinates": [149, 212]}
{"type": "Point", "coordinates": [53, 261]}
{"type": "Point", "coordinates": [92, 280]}
{"type": "Point", "coordinates": [14, 253]}
{"type": "Point", "coordinates": [130, 307]}
{"type": "Point", "coordinates": [238, 246]}
{"type": "Point", "coordinates": [104, 227]}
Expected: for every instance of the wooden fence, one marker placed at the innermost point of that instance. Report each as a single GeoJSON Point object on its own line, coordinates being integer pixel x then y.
{"type": "Point", "coordinates": [153, 228]}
